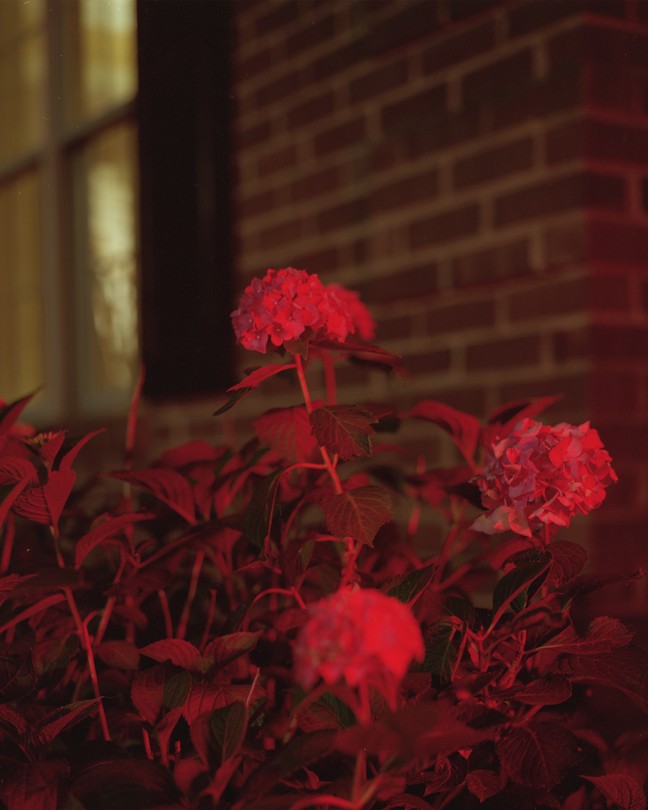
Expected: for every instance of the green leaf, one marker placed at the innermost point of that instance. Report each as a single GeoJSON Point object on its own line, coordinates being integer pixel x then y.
{"type": "Point", "coordinates": [258, 516]}
{"type": "Point", "coordinates": [225, 649]}
{"type": "Point", "coordinates": [228, 727]}
{"type": "Point", "coordinates": [440, 652]}
{"type": "Point", "coordinates": [512, 589]}
{"type": "Point", "coordinates": [408, 586]}
{"type": "Point", "coordinates": [358, 513]}
{"type": "Point", "coordinates": [538, 755]}
{"type": "Point", "coordinates": [176, 690]}
{"type": "Point", "coordinates": [344, 429]}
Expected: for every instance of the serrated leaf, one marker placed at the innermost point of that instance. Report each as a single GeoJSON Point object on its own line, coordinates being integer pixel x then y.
{"type": "Point", "coordinates": [9, 414]}
{"type": "Point", "coordinates": [175, 691]}
{"type": "Point", "coordinates": [329, 712]}
{"type": "Point", "coordinates": [225, 649]}
{"type": "Point", "coordinates": [108, 528]}
{"type": "Point", "coordinates": [521, 409]}
{"type": "Point", "coordinates": [45, 504]}
{"type": "Point", "coordinates": [549, 691]}
{"type": "Point", "coordinates": [123, 782]}
{"type": "Point", "coordinates": [287, 431]}
{"type": "Point", "coordinates": [178, 651]}
{"type": "Point", "coordinates": [604, 634]}
{"type": "Point", "coordinates": [33, 785]}
{"type": "Point", "coordinates": [567, 561]}
{"type": "Point", "coordinates": [440, 652]}
{"type": "Point", "coordinates": [408, 586]}
{"type": "Point", "coordinates": [621, 789]}
{"type": "Point", "coordinates": [302, 750]}
{"type": "Point", "coordinates": [344, 430]}
{"type": "Point", "coordinates": [167, 486]}
{"type": "Point", "coordinates": [483, 783]}
{"type": "Point", "coordinates": [538, 755]}
{"type": "Point", "coordinates": [147, 692]}
{"type": "Point", "coordinates": [14, 468]}
{"type": "Point", "coordinates": [463, 428]}
{"type": "Point", "coordinates": [228, 727]}
{"type": "Point", "coordinates": [624, 669]}
{"type": "Point", "coordinates": [358, 513]}
{"type": "Point", "coordinates": [259, 513]}
{"type": "Point", "coordinates": [512, 588]}
{"type": "Point", "coordinates": [67, 716]}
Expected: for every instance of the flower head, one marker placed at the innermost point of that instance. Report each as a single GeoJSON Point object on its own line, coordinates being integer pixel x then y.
{"type": "Point", "coordinates": [288, 304]}
{"type": "Point", "coordinates": [541, 476]}
{"type": "Point", "coordinates": [363, 323]}
{"type": "Point", "coordinates": [358, 636]}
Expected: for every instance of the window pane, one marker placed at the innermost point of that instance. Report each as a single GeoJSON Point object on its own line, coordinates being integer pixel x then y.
{"type": "Point", "coordinates": [100, 56]}
{"type": "Point", "coordinates": [105, 211]}
{"type": "Point", "coordinates": [21, 304]}
{"type": "Point", "coordinates": [22, 78]}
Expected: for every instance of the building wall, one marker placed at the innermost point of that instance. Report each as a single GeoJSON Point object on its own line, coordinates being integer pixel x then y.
{"type": "Point", "coordinates": [479, 172]}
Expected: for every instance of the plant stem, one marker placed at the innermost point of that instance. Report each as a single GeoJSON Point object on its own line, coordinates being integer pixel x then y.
{"type": "Point", "coordinates": [193, 586]}
{"type": "Point", "coordinates": [330, 466]}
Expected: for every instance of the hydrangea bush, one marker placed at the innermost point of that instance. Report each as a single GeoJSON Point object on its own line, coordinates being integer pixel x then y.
{"type": "Point", "coordinates": [258, 628]}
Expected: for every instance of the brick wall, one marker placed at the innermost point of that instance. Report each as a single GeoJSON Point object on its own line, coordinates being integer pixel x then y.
{"type": "Point", "coordinates": [479, 171]}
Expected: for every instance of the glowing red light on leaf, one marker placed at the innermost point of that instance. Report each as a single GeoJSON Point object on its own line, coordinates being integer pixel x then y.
{"type": "Point", "coordinates": [359, 637]}
{"type": "Point", "coordinates": [541, 476]}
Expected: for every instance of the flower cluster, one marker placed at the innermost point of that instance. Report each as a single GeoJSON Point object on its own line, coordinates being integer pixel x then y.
{"type": "Point", "coordinates": [358, 636]}
{"type": "Point", "coordinates": [291, 304]}
{"type": "Point", "coordinates": [540, 476]}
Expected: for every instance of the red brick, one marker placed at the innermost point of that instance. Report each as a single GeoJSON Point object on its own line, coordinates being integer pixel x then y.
{"type": "Point", "coordinates": [283, 158]}
{"type": "Point", "coordinates": [389, 328]}
{"type": "Point", "coordinates": [276, 15]}
{"type": "Point", "coordinates": [608, 87]}
{"type": "Point", "coordinates": [257, 204]}
{"type": "Point", "coordinates": [311, 110]}
{"type": "Point", "coordinates": [571, 388]}
{"type": "Point", "coordinates": [531, 15]}
{"type": "Point", "coordinates": [563, 244]}
{"type": "Point", "coordinates": [378, 81]}
{"type": "Point", "coordinates": [613, 392]}
{"type": "Point", "coordinates": [522, 351]}
{"type": "Point", "coordinates": [255, 64]}
{"type": "Point", "coordinates": [570, 344]}
{"type": "Point", "coordinates": [504, 77]}
{"type": "Point", "coordinates": [549, 299]}
{"type": "Point", "coordinates": [460, 317]}
{"type": "Point", "coordinates": [607, 141]}
{"type": "Point", "coordinates": [565, 142]}
{"type": "Point", "coordinates": [490, 164]}
{"type": "Point", "coordinates": [444, 131]}
{"type": "Point", "coordinates": [409, 191]}
{"type": "Point", "coordinates": [279, 234]}
{"type": "Point", "coordinates": [490, 265]}
{"type": "Point", "coordinates": [320, 262]}
{"type": "Point", "coordinates": [600, 44]}
{"type": "Point", "coordinates": [562, 89]}
{"type": "Point", "coordinates": [340, 216]}
{"type": "Point", "coordinates": [415, 19]}
{"type": "Point", "coordinates": [311, 35]}
{"type": "Point", "coordinates": [455, 48]}
{"type": "Point", "coordinates": [408, 113]}
{"type": "Point", "coordinates": [345, 57]}
{"type": "Point", "coordinates": [254, 135]}
{"type": "Point", "coordinates": [445, 227]}
{"type": "Point", "coordinates": [619, 343]}
{"type": "Point", "coordinates": [617, 242]}
{"type": "Point", "coordinates": [340, 136]}
{"type": "Point", "coordinates": [561, 194]}
{"type": "Point", "coordinates": [413, 282]}
{"type": "Point", "coordinates": [428, 363]}
{"type": "Point", "coordinates": [460, 10]}
{"type": "Point", "coordinates": [606, 294]}
{"type": "Point", "coordinates": [315, 184]}
{"type": "Point", "coordinates": [278, 89]}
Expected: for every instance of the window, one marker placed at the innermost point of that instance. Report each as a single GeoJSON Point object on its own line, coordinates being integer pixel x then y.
{"type": "Point", "coordinates": [68, 205]}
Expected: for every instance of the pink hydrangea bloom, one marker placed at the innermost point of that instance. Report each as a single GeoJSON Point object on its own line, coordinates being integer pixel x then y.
{"type": "Point", "coordinates": [358, 636]}
{"type": "Point", "coordinates": [542, 476]}
{"type": "Point", "coordinates": [290, 304]}
{"type": "Point", "coordinates": [363, 323]}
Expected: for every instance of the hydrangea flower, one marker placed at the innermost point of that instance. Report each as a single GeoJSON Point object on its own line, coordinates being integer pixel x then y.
{"type": "Point", "coordinates": [542, 476]}
{"type": "Point", "coordinates": [361, 637]}
{"type": "Point", "coordinates": [363, 323]}
{"type": "Point", "coordinates": [288, 304]}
